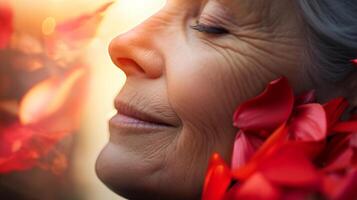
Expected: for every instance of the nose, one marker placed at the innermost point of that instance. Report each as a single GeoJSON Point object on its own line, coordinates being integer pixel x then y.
{"type": "Point", "coordinates": [136, 53]}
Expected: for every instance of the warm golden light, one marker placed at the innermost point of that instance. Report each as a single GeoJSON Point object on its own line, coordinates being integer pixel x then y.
{"type": "Point", "coordinates": [48, 26]}
{"type": "Point", "coordinates": [106, 82]}
{"type": "Point", "coordinates": [39, 18]}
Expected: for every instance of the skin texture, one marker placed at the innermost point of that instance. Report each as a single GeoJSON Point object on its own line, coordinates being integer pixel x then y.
{"type": "Point", "coordinates": [196, 80]}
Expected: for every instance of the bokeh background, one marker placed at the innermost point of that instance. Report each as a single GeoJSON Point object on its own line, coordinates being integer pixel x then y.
{"type": "Point", "coordinates": [40, 17]}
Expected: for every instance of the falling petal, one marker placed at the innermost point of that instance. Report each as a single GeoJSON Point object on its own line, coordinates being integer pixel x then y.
{"type": "Point", "coordinates": [47, 97]}
{"type": "Point", "coordinates": [268, 110]}
{"type": "Point", "coordinates": [308, 123]}
{"type": "Point", "coordinates": [6, 18]}
{"type": "Point", "coordinates": [75, 33]}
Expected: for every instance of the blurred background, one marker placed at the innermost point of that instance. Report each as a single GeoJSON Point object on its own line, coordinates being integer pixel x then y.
{"type": "Point", "coordinates": [57, 86]}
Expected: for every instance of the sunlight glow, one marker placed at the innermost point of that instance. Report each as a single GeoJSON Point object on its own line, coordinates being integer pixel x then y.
{"type": "Point", "coordinates": [48, 26]}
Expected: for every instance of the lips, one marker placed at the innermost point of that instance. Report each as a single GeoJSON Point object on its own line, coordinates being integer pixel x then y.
{"type": "Point", "coordinates": [129, 116]}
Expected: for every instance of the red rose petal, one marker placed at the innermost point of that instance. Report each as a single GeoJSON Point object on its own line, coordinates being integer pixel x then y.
{"type": "Point", "coordinates": [345, 127]}
{"type": "Point", "coordinates": [217, 180]}
{"type": "Point", "coordinates": [309, 123]}
{"type": "Point", "coordinates": [311, 149]}
{"type": "Point", "coordinates": [268, 147]}
{"type": "Point", "coordinates": [289, 167]}
{"type": "Point", "coordinates": [347, 188]}
{"type": "Point", "coordinates": [245, 146]}
{"type": "Point", "coordinates": [76, 32]}
{"type": "Point", "coordinates": [5, 24]}
{"type": "Point", "coordinates": [343, 161]}
{"type": "Point", "coordinates": [334, 110]}
{"type": "Point", "coordinates": [331, 184]}
{"type": "Point", "coordinates": [257, 187]}
{"type": "Point", "coordinates": [268, 110]}
{"type": "Point", "coordinates": [334, 148]}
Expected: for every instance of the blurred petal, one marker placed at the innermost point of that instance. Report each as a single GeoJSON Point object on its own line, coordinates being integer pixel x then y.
{"type": "Point", "coordinates": [75, 33]}
{"type": "Point", "coordinates": [245, 146]}
{"type": "Point", "coordinates": [334, 110]}
{"type": "Point", "coordinates": [268, 110]}
{"type": "Point", "coordinates": [347, 189]}
{"type": "Point", "coordinates": [48, 96]}
{"type": "Point", "coordinates": [6, 27]}
{"type": "Point", "coordinates": [308, 123]}
{"type": "Point", "coordinates": [22, 147]}
{"type": "Point", "coordinates": [335, 148]}
{"type": "Point", "coordinates": [305, 98]}
{"type": "Point", "coordinates": [345, 127]}
{"type": "Point", "coordinates": [217, 180]}
{"type": "Point", "coordinates": [343, 161]}
{"type": "Point", "coordinates": [310, 149]}
{"type": "Point", "coordinates": [257, 187]}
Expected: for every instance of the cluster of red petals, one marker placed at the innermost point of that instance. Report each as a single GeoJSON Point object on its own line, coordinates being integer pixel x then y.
{"type": "Point", "coordinates": [34, 144]}
{"type": "Point", "coordinates": [288, 147]}
{"type": "Point", "coordinates": [6, 28]}
{"type": "Point", "coordinates": [32, 137]}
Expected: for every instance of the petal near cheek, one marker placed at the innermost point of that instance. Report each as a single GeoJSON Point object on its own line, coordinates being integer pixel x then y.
{"type": "Point", "coordinates": [268, 110]}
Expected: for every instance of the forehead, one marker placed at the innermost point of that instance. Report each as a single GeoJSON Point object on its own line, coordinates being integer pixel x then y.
{"type": "Point", "coordinates": [243, 11]}
{"type": "Point", "coordinates": [237, 5]}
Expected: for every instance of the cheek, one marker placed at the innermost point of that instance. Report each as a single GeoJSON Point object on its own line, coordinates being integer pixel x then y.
{"type": "Point", "coordinates": [201, 92]}
{"type": "Point", "coordinates": [202, 89]}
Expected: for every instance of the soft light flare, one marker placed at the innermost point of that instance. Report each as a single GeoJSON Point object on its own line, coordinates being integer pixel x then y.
{"type": "Point", "coordinates": [48, 26]}
{"type": "Point", "coordinates": [47, 97]}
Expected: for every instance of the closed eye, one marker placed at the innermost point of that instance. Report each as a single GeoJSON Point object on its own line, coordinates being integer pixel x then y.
{"type": "Point", "coordinates": [217, 30]}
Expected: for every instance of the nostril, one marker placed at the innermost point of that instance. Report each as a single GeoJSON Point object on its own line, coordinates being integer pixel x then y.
{"type": "Point", "coordinates": [129, 66]}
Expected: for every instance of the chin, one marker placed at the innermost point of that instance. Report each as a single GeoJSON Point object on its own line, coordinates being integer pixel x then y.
{"type": "Point", "coordinates": [127, 175]}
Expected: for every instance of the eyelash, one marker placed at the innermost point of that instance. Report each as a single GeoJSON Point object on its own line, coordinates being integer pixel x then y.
{"type": "Point", "coordinates": [215, 30]}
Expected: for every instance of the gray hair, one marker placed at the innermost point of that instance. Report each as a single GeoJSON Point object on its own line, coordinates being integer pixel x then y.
{"type": "Point", "coordinates": [331, 27]}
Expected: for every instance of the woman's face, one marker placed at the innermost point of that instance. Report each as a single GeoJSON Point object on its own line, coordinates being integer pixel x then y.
{"type": "Point", "coordinates": [191, 78]}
